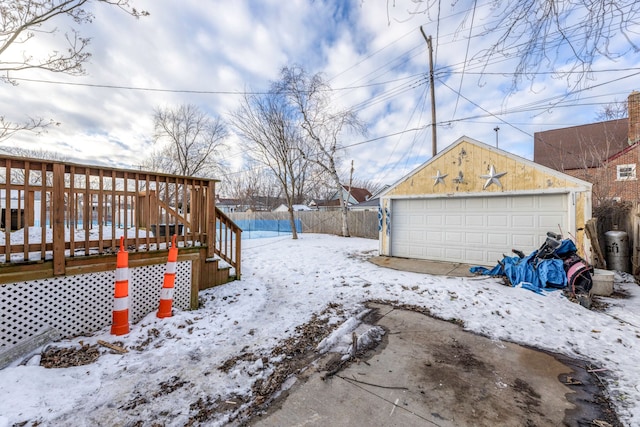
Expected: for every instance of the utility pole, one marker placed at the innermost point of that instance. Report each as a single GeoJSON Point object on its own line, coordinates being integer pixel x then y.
{"type": "Point", "coordinates": [434, 139]}
{"type": "Point", "coordinates": [350, 184]}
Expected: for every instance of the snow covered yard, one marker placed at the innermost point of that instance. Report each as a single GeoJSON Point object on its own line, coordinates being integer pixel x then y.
{"type": "Point", "coordinates": [185, 369]}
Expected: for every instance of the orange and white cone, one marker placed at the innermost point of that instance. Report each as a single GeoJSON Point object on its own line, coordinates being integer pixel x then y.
{"type": "Point", "coordinates": [120, 323]}
{"type": "Point", "coordinates": [166, 294]}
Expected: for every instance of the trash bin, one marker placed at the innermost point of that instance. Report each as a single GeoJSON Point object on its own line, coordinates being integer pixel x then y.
{"type": "Point", "coordinates": [617, 246]}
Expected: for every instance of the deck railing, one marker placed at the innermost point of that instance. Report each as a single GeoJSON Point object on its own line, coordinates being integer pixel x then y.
{"type": "Point", "coordinates": [228, 240]}
{"type": "Point", "coordinates": [53, 210]}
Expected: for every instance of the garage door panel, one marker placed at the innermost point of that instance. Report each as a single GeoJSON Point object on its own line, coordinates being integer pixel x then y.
{"type": "Point", "coordinates": [417, 252]}
{"type": "Point", "coordinates": [435, 252]}
{"type": "Point", "coordinates": [497, 202]}
{"type": "Point", "coordinates": [434, 236]}
{"type": "Point", "coordinates": [436, 220]}
{"type": "Point", "coordinates": [474, 256]}
{"type": "Point", "coordinates": [453, 204]}
{"type": "Point", "coordinates": [523, 202]}
{"type": "Point", "coordinates": [550, 221]}
{"type": "Point", "coordinates": [474, 220]}
{"type": "Point", "coordinates": [454, 220]}
{"type": "Point", "coordinates": [454, 253]}
{"type": "Point", "coordinates": [416, 220]}
{"type": "Point", "coordinates": [498, 221]}
{"type": "Point", "coordinates": [454, 237]}
{"type": "Point", "coordinates": [498, 239]}
{"type": "Point", "coordinates": [548, 203]}
{"type": "Point", "coordinates": [475, 229]}
{"type": "Point", "coordinates": [525, 241]}
{"type": "Point", "coordinates": [475, 238]}
{"type": "Point", "coordinates": [526, 221]}
{"type": "Point", "coordinates": [477, 203]}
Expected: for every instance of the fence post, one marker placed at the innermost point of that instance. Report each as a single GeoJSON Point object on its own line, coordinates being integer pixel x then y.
{"type": "Point", "coordinates": [57, 219]}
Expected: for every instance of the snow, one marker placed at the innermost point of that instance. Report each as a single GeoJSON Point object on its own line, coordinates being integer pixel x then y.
{"type": "Point", "coordinates": [286, 282]}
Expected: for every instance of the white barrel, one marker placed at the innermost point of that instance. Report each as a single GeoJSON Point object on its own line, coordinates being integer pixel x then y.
{"type": "Point", "coordinates": [617, 247]}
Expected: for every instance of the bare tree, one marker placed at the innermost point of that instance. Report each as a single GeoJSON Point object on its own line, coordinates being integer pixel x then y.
{"type": "Point", "coordinates": [568, 35]}
{"type": "Point", "coordinates": [322, 123]}
{"type": "Point", "coordinates": [368, 184]}
{"type": "Point", "coordinates": [189, 141]}
{"type": "Point", "coordinates": [612, 111]}
{"type": "Point", "coordinates": [24, 20]}
{"type": "Point", "coordinates": [271, 136]}
{"type": "Point", "coordinates": [254, 187]}
{"type": "Point", "coordinates": [8, 128]}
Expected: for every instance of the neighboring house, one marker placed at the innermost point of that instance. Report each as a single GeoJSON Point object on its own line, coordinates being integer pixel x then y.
{"type": "Point", "coordinates": [254, 204]}
{"type": "Point", "coordinates": [228, 205]}
{"type": "Point", "coordinates": [296, 208]}
{"type": "Point", "coordinates": [352, 196]}
{"type": "Point", "coordinates": [472, 203]}
{"type": "Point", "coordinates": [605, 154]}
{"type": "Point", "coordinates": [368, 205]}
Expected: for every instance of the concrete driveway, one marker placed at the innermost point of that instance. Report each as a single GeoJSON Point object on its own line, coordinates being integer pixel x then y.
{"type": "Point", "coordinates": [429, 372]}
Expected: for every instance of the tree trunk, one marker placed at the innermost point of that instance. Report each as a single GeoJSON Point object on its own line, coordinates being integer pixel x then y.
{"type": "Point", "coordinates": [292, 220]}
{"type": "Point", "coordinates": [344, 210]}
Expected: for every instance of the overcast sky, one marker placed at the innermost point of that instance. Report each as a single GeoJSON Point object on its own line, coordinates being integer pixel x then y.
{"type": "Point", "coordinates": [371, 52]}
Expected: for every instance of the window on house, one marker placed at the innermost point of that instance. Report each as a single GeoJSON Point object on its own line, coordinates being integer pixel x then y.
{"type": "Point", "coordinates": [626, 172]}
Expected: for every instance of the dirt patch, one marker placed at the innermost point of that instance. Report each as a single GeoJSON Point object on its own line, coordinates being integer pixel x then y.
{"type": "Point", "coordinates": [65, 357]}
{"type": "Point", "coordinates": [295, 353]}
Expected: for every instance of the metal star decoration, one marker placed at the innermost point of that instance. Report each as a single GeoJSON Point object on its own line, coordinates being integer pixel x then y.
{"type": "Point", "coordinates": [492, 178]}
{"type": "Point", "coordinates": [439, 178]}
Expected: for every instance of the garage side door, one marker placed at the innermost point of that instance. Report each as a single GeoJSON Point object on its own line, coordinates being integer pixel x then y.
{"type": "Point", "coordinates": [475, 230]}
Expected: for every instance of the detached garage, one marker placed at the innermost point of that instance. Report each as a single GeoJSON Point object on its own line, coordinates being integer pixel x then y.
{"type": "Point", "coordinates": [472, 203]}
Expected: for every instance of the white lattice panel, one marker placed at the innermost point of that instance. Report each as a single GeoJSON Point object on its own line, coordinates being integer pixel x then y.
{"type": "Point", "coordinates": [81, 304]}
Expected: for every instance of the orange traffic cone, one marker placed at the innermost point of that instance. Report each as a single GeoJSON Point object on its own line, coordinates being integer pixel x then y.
{"type": "Point", "coordinates": [166, 294]}
{"type": "Point", "coordinates": [120, 324]}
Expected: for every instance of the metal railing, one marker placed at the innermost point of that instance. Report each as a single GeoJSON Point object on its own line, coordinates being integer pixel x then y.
{"type": "Point", "coordinates": [53, 211]}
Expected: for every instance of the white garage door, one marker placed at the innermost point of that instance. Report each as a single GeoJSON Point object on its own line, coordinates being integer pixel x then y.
{"type": "Point", "coordinates": [474, 230]}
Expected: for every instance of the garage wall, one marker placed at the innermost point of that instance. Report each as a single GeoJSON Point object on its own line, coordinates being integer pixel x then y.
{"type": "Point", "coordinates": [462, 172]}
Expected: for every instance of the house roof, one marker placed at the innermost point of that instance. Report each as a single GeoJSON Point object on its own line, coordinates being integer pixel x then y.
{"type": "Point", "coordinates": [579, 147]}
{"type": "Point", "coordinates": [374, 202]}
{"type": "Point", "coordinates": [221, 201]}
{"type": "Point", "coordinates": [360, 194]}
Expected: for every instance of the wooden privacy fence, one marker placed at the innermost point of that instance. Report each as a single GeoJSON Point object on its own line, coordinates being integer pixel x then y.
{"type": "Point", "coordinates": [54, 211]}
{"type": "Point", "coordinates": [361, 223]}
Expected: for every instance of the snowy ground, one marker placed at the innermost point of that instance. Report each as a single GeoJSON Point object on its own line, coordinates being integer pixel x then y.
{"type": "Point", "coordinates": [174, 363]}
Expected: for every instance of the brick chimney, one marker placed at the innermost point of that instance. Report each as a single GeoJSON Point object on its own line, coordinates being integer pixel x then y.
{"type": "Point", "coordinates": [633, 107]}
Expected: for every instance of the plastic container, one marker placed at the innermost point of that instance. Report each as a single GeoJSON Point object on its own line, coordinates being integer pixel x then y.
{"type": "Point", "coordinates": [617, 248]}
{"type": "Point", "coordinates": [602, 282]}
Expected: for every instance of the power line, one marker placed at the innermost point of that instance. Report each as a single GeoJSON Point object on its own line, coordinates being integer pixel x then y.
{"type": "Point", "coordinates": [205, 92]}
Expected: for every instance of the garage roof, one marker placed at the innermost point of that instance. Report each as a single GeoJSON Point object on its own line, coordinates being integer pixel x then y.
{"type": "Point", "coordinates": [470, 166]}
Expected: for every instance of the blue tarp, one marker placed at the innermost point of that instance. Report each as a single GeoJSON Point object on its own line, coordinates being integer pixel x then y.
{"type": "Point", "coordinates": [530, 272]}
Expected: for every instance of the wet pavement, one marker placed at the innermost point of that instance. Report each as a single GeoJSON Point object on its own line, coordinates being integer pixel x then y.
{"type": "Point", "coordinates": [430, 372]}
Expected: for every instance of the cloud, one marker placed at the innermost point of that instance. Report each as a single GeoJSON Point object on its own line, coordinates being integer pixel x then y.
{"type": "Point", "coordinates": [372, 54]}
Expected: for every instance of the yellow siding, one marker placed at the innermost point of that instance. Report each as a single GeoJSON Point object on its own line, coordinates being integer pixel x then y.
{"type": "Point", "coordinates": [470, 161]}
{"type": "Point", "coordinates": [465, 163]}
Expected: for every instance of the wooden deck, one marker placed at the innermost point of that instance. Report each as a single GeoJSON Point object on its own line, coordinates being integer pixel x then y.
{"type": "Point", "coordinates": [60, 218]}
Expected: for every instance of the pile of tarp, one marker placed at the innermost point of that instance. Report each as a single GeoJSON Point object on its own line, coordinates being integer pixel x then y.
{"type": "Point", "coordinates": [553, 266]}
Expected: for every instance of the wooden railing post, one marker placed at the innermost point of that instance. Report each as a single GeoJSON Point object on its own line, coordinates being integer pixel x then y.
{"type": "Point", "coordinates": [57, 219]}
{"type": "Point", "coordinates": [238, 257]}
{"type": "Point", "coordinates": [210, 206]}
